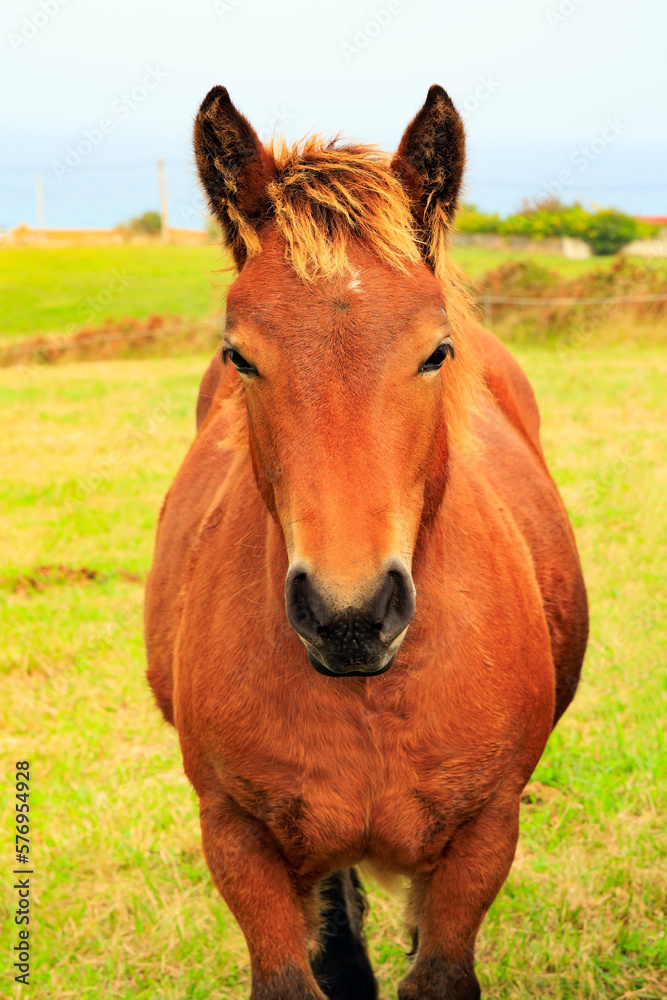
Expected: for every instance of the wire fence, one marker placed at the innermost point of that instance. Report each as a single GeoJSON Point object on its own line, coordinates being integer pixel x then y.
{"type": "Point", "coordinates": [488, 301]}
{"type": "Point", "coordinates": [47, 351]}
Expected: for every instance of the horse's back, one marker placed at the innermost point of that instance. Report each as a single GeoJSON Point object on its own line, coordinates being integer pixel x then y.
{"type": "Point", "coordinates": [509, 387]}
{"type": "Point", "coordinates": [513, 463]}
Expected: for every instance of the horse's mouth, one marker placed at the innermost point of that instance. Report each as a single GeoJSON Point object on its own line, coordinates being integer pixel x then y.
{"type": "Point", "coordinates": [353, 672]}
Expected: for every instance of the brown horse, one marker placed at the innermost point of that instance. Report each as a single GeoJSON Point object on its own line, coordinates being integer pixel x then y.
{"type": "Point", "coordinates": [366, 610]}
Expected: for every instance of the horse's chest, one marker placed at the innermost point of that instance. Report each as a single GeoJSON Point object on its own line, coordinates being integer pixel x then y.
{"type": "Point", "coordinates": [380, 794]}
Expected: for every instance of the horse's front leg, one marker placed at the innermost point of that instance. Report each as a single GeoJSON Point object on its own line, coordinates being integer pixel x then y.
{"type": "Point", "coordinates": [276, 918]}
{"type": "Point", "coordinates": [448, 908]}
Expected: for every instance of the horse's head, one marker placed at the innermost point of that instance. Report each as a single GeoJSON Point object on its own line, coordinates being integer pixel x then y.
{"type": "Point", "coordinates": [344, 327]}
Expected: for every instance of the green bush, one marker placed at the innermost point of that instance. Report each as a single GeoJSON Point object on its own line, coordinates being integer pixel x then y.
{"type": "Point", "coordinates": [610, 230]}
{"type": "Point", "coordinates": [606, 230]}
{"type": "Point", "coordinates": [551, 220]}
{"type": "Point", "coordinates": [470, 220]}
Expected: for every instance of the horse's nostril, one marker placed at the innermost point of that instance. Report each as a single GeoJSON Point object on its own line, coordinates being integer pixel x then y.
{"type": "Point", "coordinates": [396, 603]}
{"type": "Point", "coordinates": [306, 610]}
{"type": "Point", "coordinates": [355, 632]}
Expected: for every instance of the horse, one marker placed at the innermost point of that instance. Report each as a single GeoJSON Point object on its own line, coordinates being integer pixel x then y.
{"type": "Point", "coordinates": [366, 610]}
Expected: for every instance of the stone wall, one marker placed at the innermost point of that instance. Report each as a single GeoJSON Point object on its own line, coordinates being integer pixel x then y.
{"type": "Point", "coordinates": [645, 248]}
{"type": "Point", "coordinates": [558, 246]}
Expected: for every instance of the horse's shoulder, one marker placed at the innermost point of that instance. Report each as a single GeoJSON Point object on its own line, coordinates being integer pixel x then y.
{"type": "Point", "coordinates": [184, 513]}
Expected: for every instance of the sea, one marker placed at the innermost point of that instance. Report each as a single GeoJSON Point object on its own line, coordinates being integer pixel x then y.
{"type": "Point", "coordinates": [85, 186]}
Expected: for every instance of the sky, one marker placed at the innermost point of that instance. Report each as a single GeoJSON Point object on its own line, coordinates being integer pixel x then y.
{"type": "Point", "coordinates": [566, 96]}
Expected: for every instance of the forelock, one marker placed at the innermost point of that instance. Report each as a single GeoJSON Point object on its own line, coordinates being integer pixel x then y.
{"type": "Point", "coordinates": [325, 196]}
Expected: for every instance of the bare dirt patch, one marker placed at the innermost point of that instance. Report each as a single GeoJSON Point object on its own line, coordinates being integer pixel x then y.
{"type": "Point", "coordinates": [42, 577]}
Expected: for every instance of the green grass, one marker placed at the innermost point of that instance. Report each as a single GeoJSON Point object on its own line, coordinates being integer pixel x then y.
{"type": "Point", "coordinates": [476, 262]}
{"type": "Point", "coordinates": [54, 290]}
{"type": "Point", "coordinates": [124, 905]}
{"type": "Point", "coordinates": [58, 290]}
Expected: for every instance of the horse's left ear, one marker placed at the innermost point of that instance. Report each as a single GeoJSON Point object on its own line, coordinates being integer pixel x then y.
{"type": "Point", "coordinates": [429, 163]}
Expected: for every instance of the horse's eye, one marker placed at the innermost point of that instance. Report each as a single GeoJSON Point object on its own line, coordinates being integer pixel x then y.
{"type": "Point", "coordinates": [437, 358]}
{"type": "Point", "coordinates": [239, 362]}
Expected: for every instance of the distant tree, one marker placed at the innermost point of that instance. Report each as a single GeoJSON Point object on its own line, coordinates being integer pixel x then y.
{"type": "Point", "coordinates": [610, 230]}
{"type": "Point", "coordinates": [149, 223]}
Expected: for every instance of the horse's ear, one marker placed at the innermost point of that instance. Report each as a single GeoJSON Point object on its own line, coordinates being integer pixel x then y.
{"type": "Point", "coordinates": [234, 169]}
{"type": "Point", "coordinates": [429, 163]}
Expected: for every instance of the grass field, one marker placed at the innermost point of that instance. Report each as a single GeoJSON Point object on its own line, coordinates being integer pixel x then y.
{"type": "Point", "coordinates": [477, 262]}
{"type": "Point", "coordinates": [52, 290]}
{"type": "Point", "coordinates": [56, 290]}
{"type": "Point", "coordinates": [123, 903]}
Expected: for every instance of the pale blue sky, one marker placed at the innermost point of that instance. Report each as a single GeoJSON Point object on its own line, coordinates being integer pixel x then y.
{"type": "Point", "coordinates": [536, 80]}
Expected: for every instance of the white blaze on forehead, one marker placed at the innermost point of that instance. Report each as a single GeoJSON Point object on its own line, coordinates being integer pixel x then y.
{"type": "Point", "coordinates": [355, 282]}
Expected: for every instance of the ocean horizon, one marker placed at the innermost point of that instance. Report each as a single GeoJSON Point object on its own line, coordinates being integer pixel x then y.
{"type": "Point", "coordinates": [83, 187]}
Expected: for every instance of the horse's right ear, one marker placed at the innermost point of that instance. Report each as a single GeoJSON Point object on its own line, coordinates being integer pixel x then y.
{"type": "Point", "coordinates": [234, 169]}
